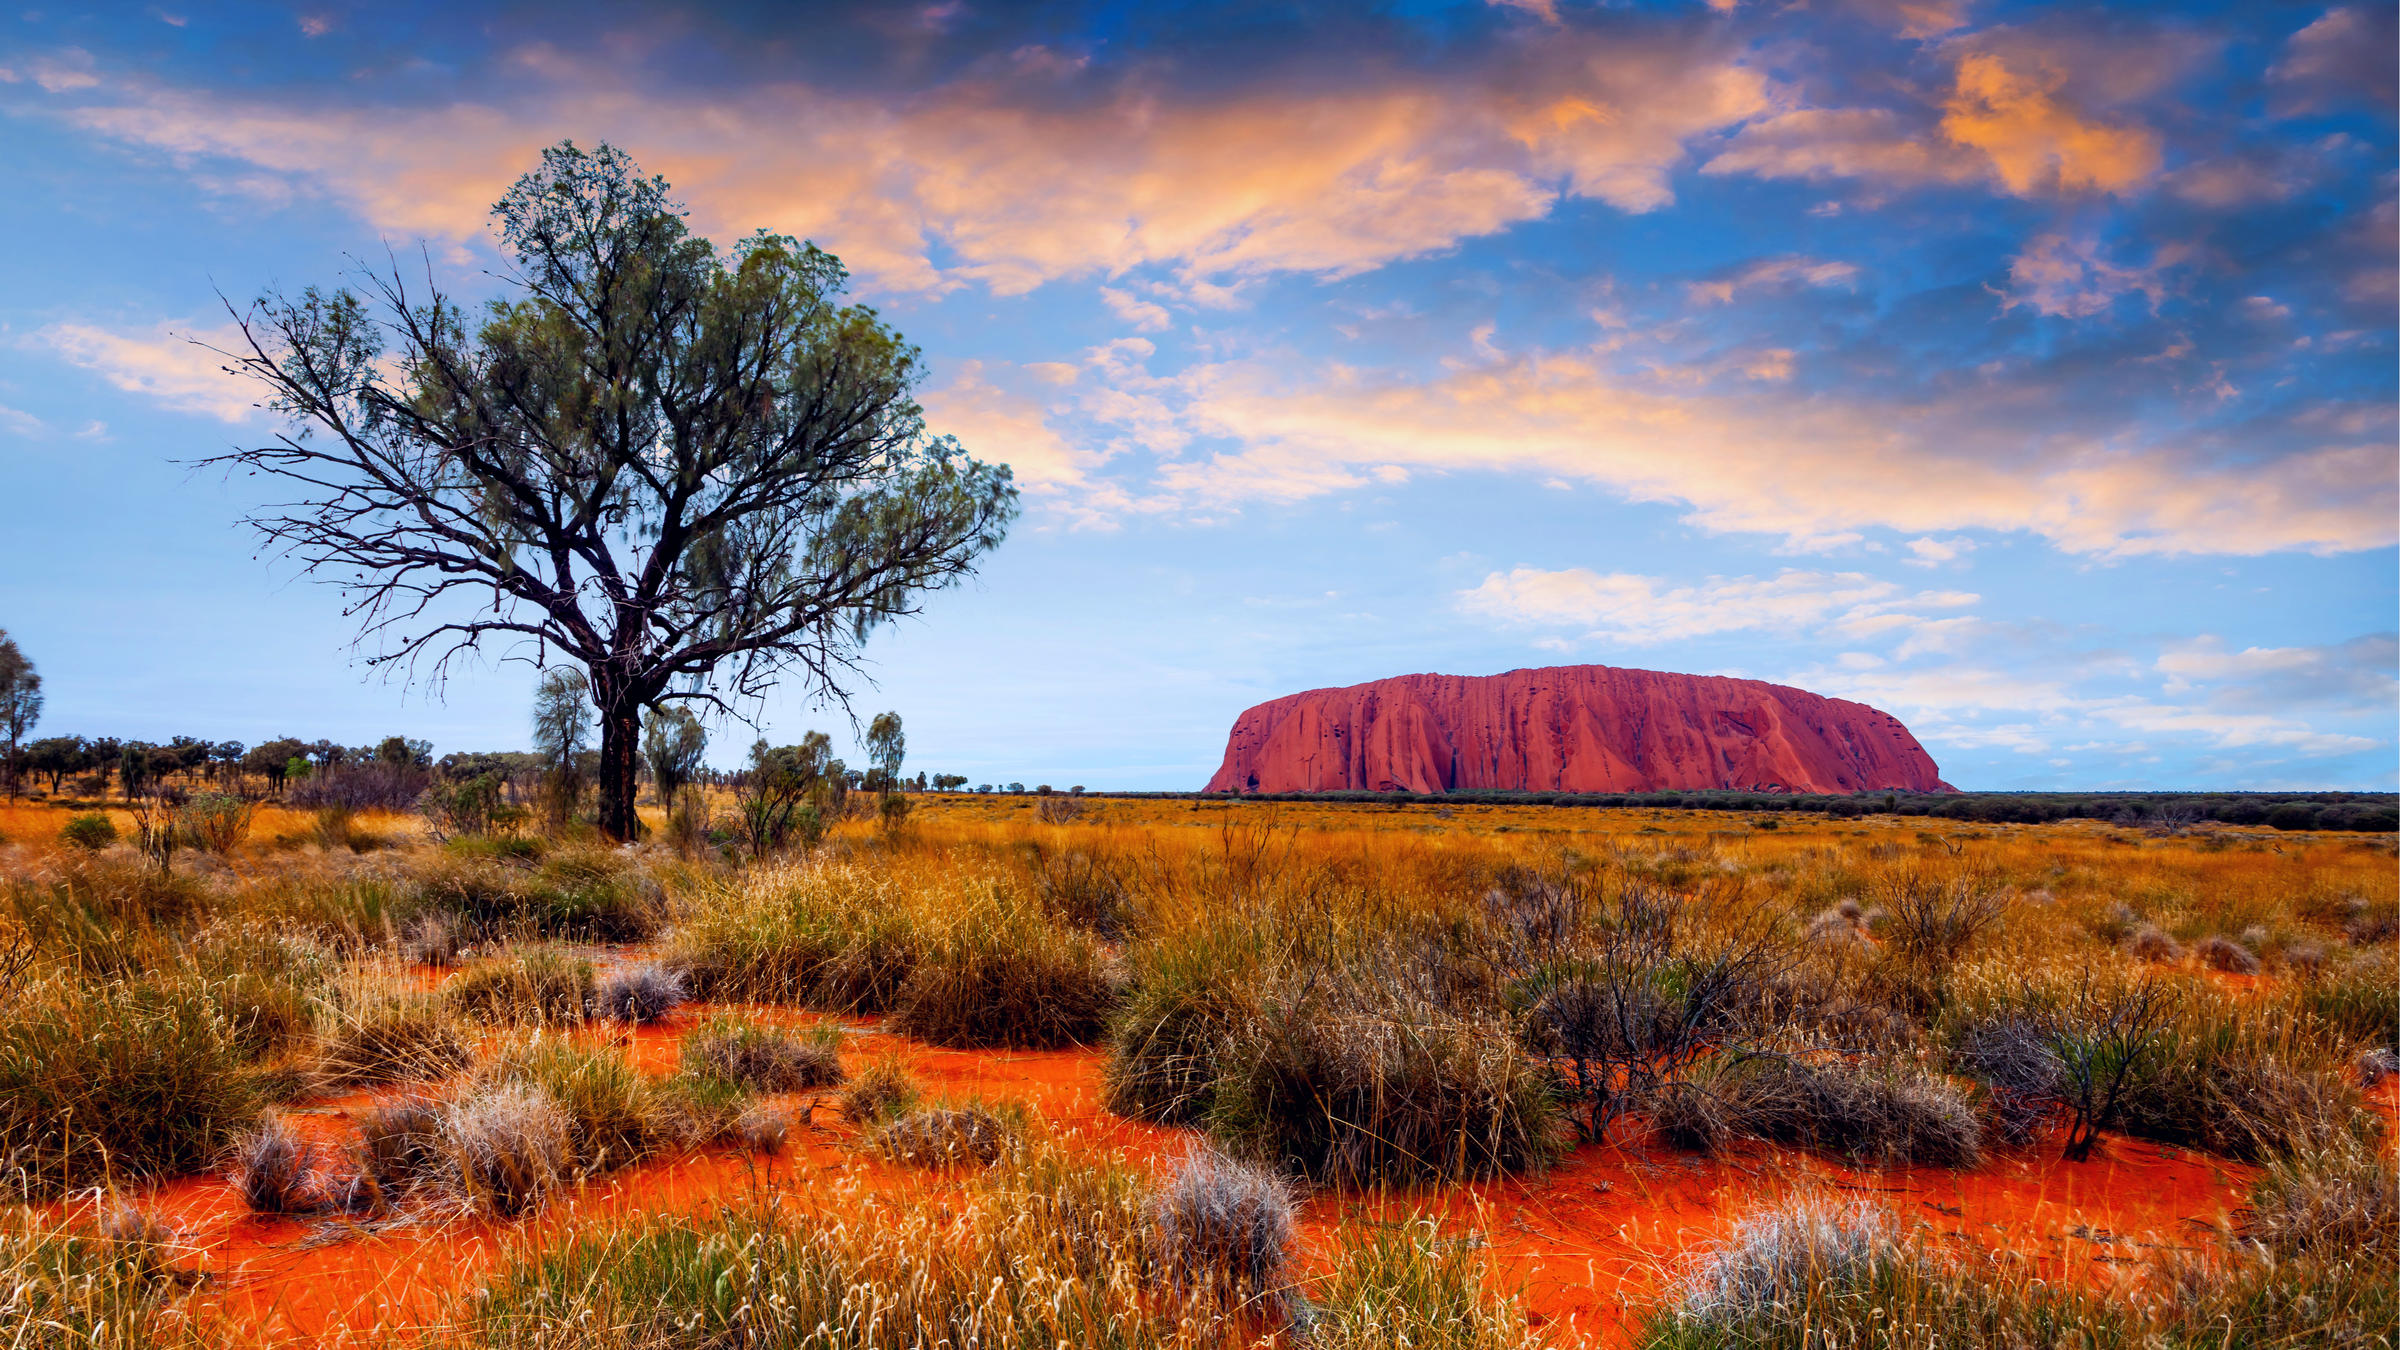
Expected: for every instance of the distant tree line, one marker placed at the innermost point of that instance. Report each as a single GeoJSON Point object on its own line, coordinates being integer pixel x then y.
{"type": "Point", "coordinates": [2366, 811]}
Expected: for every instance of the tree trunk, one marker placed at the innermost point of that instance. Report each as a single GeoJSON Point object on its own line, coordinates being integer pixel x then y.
{"type": "Point", "coordinates": [620, 745]}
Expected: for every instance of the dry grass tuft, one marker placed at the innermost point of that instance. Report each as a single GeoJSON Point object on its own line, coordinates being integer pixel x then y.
{"type": "Point", "coordinates": [945, 1136]}
{"type": "Point", "coordinates": [1225, 1228]}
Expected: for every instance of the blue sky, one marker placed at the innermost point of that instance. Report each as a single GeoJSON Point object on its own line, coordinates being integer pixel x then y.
{"type": "Point", "coordinates": [2027, 371]}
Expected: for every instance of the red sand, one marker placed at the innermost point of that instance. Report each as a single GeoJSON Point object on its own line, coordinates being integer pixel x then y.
{"type": "Point", "coordinates": [1591, 1242]}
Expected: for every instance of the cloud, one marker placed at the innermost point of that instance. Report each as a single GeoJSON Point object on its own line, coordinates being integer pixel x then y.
{"type": "Point", "coordinates": [1777, 273]}
{"type": "Point", "coordinates": [18, 422]}
{"type": "Point", "coordinates": [1950, 706]}
{"type": "Point", "coordinates": [1822, 143]}
{"type": "Point", "coordinates": [2363, 673]}
{"type": "Point", "coordinates": [1142, 314]}
{"type": "Point", "coordinates": [2001, 124]}
{"type": "Point", "coordinates": [2345, 53]}
{"type": "Point", "coordinates": [1813, 467]}
{"type": "Point", "coordinates": [995, 424]}
{"type": "Point", "coordinates": [165, 362]}
{"type": "Point", "coordinates": [2068, 277]}
{"type": "Point", "coordinates": [1640, 610]}
{"type": "Point", "coordinates": [1010, 181]}
{"type": "Point", "coordinates": [1931, 552]}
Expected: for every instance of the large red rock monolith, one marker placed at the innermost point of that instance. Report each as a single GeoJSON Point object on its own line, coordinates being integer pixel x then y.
{"type": "Point", "coordinates": [1571, 729]}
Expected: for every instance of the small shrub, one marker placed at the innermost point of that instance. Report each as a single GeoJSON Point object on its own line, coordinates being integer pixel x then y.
{"type": "Point", "coordinates": [614, 1119]}
{"type": "Point", "coordinates": [762, 1059]}
{"type": "Point", "coordinates": [639, 993]}
{"type": "Point", "coordinates": [92, 831]}
{"type": "Point", "coordinates": [507, 1148]}
{"type": "Point", "coordinates": [1783, 1265]}
{"type": "Point", "coordinates": [1862, 1111]}
{"type": "Point", "coordinates": [2344, 1199]}
{"type": "Point", "coordinates": [271, 1169]}
{"type": "Point", "coordinates": [400, 1143]}
{"type": "Point", "coordinates": [216, 822]}
{"type": "Point", "coordinates": [2225, 954]}
{"type": "Point", "coordinates": [2149, 943]}
{"type": "Point", "coordinates": [1409, 1286]}
{"type": "Point", "coordinates": [944, 1136]}
{"type": "Point", "coordinates": [431, 939]}
{"type": "Point", "coordinates": [762, 1129]}
{"type": "Point", "coordinates": [389, 1043]}
{"type": "Point", "coordinates": [537, 986]}
{"type": "Point", "coordinates": [1014, 983]}
{"type": "Point", "coordinates": [879, 1092]}
{"type": "Point", "coordinates": [1225, 1228]}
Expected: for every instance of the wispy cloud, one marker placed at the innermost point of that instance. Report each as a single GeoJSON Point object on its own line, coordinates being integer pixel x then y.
{"type": "Point", "coordinates": [1643, 610]}
{"type": "Point", "coordinates": [171, 363]}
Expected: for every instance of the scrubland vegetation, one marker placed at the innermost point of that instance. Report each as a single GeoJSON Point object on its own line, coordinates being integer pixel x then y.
{"type": "Point", "coordinates": [356, 1029]}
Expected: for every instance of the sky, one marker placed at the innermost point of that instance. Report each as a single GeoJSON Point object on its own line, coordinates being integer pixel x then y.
{"type": "Point", "coordinates": [2025, 371]}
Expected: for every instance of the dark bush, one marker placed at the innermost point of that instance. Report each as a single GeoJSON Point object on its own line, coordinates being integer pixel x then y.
{"type": "Point", "coordinates": [880, 1092]}
{"type": "Point", "coordinates": [92, 830]}
{"type": "Point", "coordinates": [1863, 1111]}
{"type": "Point", "coordinates": [1013, 982]}
{"type": "Point", "coordinates": [1343, 1085]}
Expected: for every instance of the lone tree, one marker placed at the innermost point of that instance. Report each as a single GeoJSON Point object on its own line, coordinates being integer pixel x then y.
{"type": "Point", "coordinates": [20, 702]}
{"type": "Point", "coordinates": [686, 471]}
{"type": "Point", "coordinates": [673, 741]}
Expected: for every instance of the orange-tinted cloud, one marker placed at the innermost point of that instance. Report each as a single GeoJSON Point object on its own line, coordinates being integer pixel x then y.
{"type": "Point", "coordinates": [2036, 142]}
{"type": "Point", "coordinates": [2006, 121]}
{"type": "Point", "coordinates": [1815, 469]}
{"type": "Point", "coordinates": [1018, 185]}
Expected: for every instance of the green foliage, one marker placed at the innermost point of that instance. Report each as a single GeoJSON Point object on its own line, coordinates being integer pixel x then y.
{"type": "Point", "coordinates": [93, 830]}
{"type": "Point", "coordinates": [673, 742]}
{"type": "Point", "coordinates": [121, 1079]}
{"type": "Point", "coordinates": [1407, 1285]}
{"type": "Point", "coordinates": [1006, 979]}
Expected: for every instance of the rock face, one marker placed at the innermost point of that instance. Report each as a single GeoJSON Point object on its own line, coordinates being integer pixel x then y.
{"type": "Point", "coordinates": [1570, 729]}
